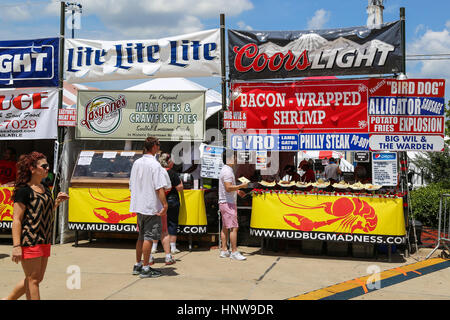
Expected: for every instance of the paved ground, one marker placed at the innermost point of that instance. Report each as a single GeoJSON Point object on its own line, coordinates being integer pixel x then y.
{"type": "Point", "coordinates": [104, 269]}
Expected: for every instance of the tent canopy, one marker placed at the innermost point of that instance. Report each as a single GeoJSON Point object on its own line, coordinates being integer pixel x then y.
{"type": "Point", "coordinates": [213, 99]}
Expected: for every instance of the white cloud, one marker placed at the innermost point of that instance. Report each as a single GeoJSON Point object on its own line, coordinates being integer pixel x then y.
{"type": "Point", "coordinates": [319, 19]}
{"type": "Point", "coordinates": [15, 13]}
{"type": "Point", "coordinates": [243, 26]}
{"type": "Point", "coordinates": [157, 18]}
{"type": "Point", "coordinates": [431, 42]}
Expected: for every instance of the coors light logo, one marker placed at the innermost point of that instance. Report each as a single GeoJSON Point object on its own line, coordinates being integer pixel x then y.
{"type": "Point", "coordinates": [103, 114]}
{"type": "Point", "coordinates": [257, 55]}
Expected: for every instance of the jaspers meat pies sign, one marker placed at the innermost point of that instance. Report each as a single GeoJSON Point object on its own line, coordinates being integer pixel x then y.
{"type": "Point", "coordinates": [285, 54]}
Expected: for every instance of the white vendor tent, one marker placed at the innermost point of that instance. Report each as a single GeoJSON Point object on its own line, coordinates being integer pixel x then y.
{"type": "Point", "coordinates": [213, 99]}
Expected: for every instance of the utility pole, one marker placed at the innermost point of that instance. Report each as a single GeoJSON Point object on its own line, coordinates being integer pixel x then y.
{"type": "Point", "coordinates": [74, 7]}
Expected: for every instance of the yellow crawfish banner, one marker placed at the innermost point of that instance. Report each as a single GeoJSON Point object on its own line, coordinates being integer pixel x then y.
{"type": "Point", "coordinates": [103, 209]}
{"type": "Point", "coordinates": [6, 208]}
{"type": "Point", "coordinates": [192, 217]}
{"type": "Point", "coordinates": [330, 218]}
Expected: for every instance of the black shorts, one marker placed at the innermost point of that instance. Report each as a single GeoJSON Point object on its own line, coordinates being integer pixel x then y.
{"type": "Point", "coordinates": [172, 217]}
{"type": "Point", "coordinates": [149, 227]}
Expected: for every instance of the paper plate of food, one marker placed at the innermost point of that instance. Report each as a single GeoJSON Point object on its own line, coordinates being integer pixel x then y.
{"type": "Point", "coordinates": [341, 185]}
{"type": "Point", "coordinates": [372, 187]}
{"type": "Point", "coordinates": [320, 184]}
{"type": "Point", "coordinates": [286, 184]}
{"type": "Point", "coordinates": [302, 184]}
{"type": "Point", "coordinates": [357, 186]}
{"type": "Point", "coordinates": [267, 184]}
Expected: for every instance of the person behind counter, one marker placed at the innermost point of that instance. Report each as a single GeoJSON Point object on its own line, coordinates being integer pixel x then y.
{"type": "Point", "coordinates": [173, 201]}
{"type": "Point", "coordinates": [228, 207]}
{"type": "Point", "coordinates": [309, 175]}
{"type": "Point", "coordinates": [332, 171]}
{"type": "Point", "coordinates": [290, 174]}
{"type": "Point", "coordinates": [360, 173]}
{"type": "Point", "coordinates": [32, 223]}
{"type": "Point", "coordinates": [8, 169]}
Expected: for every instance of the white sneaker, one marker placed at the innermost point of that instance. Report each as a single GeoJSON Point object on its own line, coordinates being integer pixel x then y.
{"type": "Point", "coordinates": [153, 251]}
{"type": "Point", "coordinates": [224, 254]}
{"type": "Point", "coordinates": [237, 256]}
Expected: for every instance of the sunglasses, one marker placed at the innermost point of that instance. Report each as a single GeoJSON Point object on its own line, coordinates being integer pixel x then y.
{"type": "Point", "coordinates": [45, 166]}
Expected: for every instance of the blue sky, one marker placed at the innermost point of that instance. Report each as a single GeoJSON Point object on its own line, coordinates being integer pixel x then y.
{"type": "Point", "coordinates": [427, 23]}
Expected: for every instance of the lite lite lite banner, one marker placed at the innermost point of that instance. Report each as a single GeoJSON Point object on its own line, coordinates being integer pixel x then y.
{"type": "Point", "coordinates": [135, 115]}
{"type": "Point", "coordinates": [28, 114]}
{"type": "Point", "coordinates": [190, 55]}
{"type": "Point", "coordinates": [285, 54]}
{"type": "Point", "coordinates": [328, 218]}
{"type": "Point", "coordinates": [29, 63]}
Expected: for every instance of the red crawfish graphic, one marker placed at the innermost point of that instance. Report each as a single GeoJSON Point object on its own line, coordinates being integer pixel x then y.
{"type": "Point", "coordinates": [351, 213]}
{"type": "Point", "coordinates": [5, 203]}
{"type": "Point", "coordinates": [111, 215]}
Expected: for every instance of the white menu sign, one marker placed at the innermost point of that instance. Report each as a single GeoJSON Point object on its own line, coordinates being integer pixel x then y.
{"type": "Point", "coordinates": [211, 162]}
{"type": "Point", "coordinates": [384, 168]}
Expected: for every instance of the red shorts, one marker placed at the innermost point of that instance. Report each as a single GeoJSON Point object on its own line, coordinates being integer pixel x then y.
{"type": "Point", "coordinates": [39, 250]}
{"type": "Point", "coordinates": [229, 215]}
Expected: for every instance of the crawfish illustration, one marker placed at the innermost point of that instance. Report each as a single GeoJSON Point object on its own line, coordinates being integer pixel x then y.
{"type": "Point", "coordinates": [353, 214]}
{"type": "Point", "coordinates": [5, 202]}
{"type": "Point", "coordinates": [109, 215]}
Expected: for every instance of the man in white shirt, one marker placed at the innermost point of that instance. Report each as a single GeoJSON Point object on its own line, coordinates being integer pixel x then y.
{"type": "Point", "coordinates": [148, 200]}
{"type": "Point", "coordinates": [228, 191]}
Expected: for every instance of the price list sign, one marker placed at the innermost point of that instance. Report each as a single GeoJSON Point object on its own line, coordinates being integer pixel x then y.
{"type": "Point", "coordinates": [384, 168]}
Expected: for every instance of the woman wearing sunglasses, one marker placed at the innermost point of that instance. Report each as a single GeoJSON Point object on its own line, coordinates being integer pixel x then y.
{"type": "Point", "coordinates": [32, 223]}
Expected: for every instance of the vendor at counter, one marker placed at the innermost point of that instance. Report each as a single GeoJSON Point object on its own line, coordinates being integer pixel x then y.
{"type": "Point", "coordinates": [332, 171]}
{"type": "Point", "coordinates": [309, 175]}
{"type": "Point", "coordinates": [361, 174]}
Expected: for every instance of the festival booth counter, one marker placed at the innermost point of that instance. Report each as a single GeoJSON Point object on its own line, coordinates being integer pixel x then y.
{"type": "Point", "coordinates": [100, 197]}
{"type": "Point", "coordinates": [382, 116]}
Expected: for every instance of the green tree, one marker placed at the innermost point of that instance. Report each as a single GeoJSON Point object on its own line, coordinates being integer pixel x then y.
{"type": "Point", "coordinates": [447, 121]}
{"type": "Point", "coordinates": [435, 166]}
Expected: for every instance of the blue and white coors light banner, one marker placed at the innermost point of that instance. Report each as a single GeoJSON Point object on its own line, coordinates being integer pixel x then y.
{"type": "Point", "coordinates": [190, 55]}
{"type": "Point", "coordinates": [29, 63]}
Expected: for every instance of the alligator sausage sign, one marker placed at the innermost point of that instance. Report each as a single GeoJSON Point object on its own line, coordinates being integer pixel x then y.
{"type": "Point", "coordinates": [285, 54]}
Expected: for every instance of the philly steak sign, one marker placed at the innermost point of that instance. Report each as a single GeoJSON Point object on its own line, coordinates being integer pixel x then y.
{"type": "Point", "coordinates": [194, 55]}
{"type": "Point", "coordinates": [285, 54]}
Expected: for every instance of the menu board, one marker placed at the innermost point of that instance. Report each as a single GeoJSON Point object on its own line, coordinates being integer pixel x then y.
{"type": "Point", "coordinates": [384, 168]}
{"type": "Point", "coordinates": [211, 162]}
